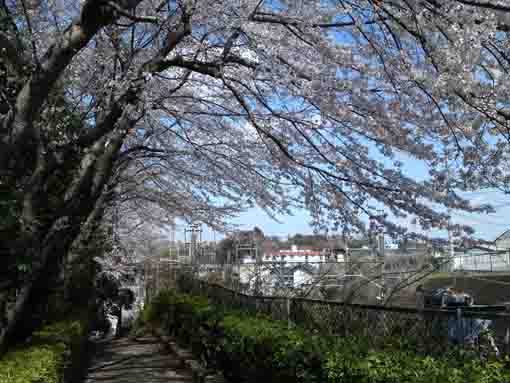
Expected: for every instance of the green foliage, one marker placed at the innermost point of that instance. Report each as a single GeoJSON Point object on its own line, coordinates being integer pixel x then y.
{"type": "Point", "coordinates": [41, 363]}
{"type": "Point", "coordinates": [52, 349]}
{"type": "Point", "coordinates": [265, 349]}
{"type": "Point", "coordinates": [10, 209]}
{"type": "Point", "coordinates": [138, 328]}
{"type": "Point", "coordinates": [9, 206]}
{"type": "Point", "coordinates": [252, 348]}
{"type": "Point", "coordinates": [160, 304]}
{"type": "Point", "coordinates": [400, 367]}
{"type": "Point", "coordinates": [315, 240]}
{"type": "Point", "coordinates": [67, 331]}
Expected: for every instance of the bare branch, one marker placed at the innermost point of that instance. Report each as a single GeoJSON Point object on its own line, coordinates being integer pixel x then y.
{"type": "Point", "coordinates": [140, 19]}
{"type": "Point", "coordinates": [210, 69]}
{"type": "Point", "coordinates": [274, 18]}
{"type": "Point", "coordinates": [32, 40]}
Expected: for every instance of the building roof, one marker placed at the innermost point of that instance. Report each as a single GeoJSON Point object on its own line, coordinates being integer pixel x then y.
{"type": "Point", "coordinates": [293, 253]}
{"type": "Point", "coordinates": [502, 236]}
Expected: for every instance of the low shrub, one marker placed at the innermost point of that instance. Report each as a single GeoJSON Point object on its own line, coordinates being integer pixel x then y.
{"type": "Point", "coordinates": [250, 348]}
{"type": "Point", "coordinates": [400, 367]}
{"type": "Point", "coordinates": [155, 312]}
{"type": "Point", "coordinates": [51, 356]}
{"type": "Point", "coordinates": [138, 328]}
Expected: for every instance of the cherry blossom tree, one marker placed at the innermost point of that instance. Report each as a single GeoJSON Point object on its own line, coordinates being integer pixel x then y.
{"type": "Point", "coordinates": [204, 108]}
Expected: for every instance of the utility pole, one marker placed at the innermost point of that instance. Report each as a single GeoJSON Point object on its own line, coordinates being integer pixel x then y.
{"type": "Point", "coordinates": [347, 256]}
{"type": "Point", "coordinates": [195, 237]}
{"type": "Point", "coordinates": [371, 235]}
{"type": "Point", "coordinates": [347, 263]}
{"type": "Point", "coordinates": [380, 237]}
{"type": "Point", "coordinates": [381, 252]}
{"type": "Point", "coordinates": [377, 236]}
{"type": "Point", "coordinates": [258, 270]}
{"type": "Point", "coordinates": [250, 248]}
{"type": "Point", "coordinates": [228, 269]}
{"type": "Point", "coordinates": [256, 243]}
{"type": "Point", "coordinates": [450, 234]}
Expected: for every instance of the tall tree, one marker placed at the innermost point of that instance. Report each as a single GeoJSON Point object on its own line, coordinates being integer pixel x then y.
{"type": "Point", "coordinates": [203, 108]}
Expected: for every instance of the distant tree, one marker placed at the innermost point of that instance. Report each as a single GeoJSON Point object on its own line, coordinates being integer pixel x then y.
{"type": "Point", "coordinates": [274, 238]}
{"type": "Point", "coordinates": [309, 240]}
{"type": "Point", "coordinates": [357, 243]}
{"type": "Point", "coordinates": [247, 239]}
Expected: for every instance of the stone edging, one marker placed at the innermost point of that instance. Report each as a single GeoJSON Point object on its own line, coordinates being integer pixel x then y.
{"type": "Point", "coordinates": [200, 373]}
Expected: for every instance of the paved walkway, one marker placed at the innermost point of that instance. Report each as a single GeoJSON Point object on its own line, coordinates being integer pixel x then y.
{"type": "Point", "coordinates": [135, 361]}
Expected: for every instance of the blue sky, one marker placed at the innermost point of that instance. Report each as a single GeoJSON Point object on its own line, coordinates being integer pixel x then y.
{"type": "Point", "coordinates": [487, 226]}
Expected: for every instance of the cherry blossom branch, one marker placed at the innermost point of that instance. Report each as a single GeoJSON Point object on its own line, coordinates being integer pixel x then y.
{"type": "Point", "coordinates": [486, 4]}
{"type": "Point", "coordinates": [25, 136]}
{"type": "Point", "coordinates": [131, 95]}
{"type": "Point", "coordinates": [140, 19]}
{"type": "Point", "coordinates": [286, 152]}
{"type": "Point", "coordinates": [210, 69]}
{"type": "Point", "coordinates": [107, 122]}
{"type": "Point", "coordinates": [311, 143]}
{"type": "Point", "coordinates": [9, 27]}
{"type": "Point", "coordinates": [30, 31]}
{"type": "Point", "coordinates": [274, 18]}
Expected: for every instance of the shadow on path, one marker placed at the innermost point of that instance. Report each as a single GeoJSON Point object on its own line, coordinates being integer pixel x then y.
{"type": "Point", "coordinates": [135, 361]}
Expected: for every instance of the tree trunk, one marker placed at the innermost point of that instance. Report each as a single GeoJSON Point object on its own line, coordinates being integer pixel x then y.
{"type": "Point", "coordinates": [35, 292]}
{"type": "Point", "coordinates": [50, 249]}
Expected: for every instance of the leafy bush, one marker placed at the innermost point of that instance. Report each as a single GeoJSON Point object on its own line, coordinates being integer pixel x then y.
{"type": "Point", "coordinates": [401, 367]}
{"type": "Point", "coordinates": [251, 348]}
{"type": "Point", "coordinates": [51, 356]}
{"type": "Point", "coordinates": [160, 304]}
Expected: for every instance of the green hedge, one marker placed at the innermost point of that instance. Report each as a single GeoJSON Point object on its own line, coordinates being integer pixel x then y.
{"type": "Point", "coordinates": [52, 356]}
{"type": "Point", "coordinates": [251, 348]}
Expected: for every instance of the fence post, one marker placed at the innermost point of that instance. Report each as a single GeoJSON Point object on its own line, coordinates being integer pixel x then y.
{"type": "Point", "coordinates": [157, 276]}
{"type": "Point", "coordinates": [507, 331]}
{"type": "Point", "coordinates": [460, 327]}
{"type": "Point", "coordinates": [289, 318]}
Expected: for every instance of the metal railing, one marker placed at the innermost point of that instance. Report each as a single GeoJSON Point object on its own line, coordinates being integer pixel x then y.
{"type": "Point", "coordinates": [494, 261]}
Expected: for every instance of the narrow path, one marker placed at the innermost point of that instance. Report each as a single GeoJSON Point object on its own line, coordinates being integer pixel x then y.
{"type": "Point", "coordinates": [135, 361]}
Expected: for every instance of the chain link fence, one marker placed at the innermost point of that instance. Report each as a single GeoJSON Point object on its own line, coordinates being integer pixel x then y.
{"type": "Point", "coordinates": [484, 330]}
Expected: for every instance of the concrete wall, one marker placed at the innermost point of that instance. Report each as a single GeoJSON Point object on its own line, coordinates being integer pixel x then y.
{"type": "Point", "coordinates": [503, 244]}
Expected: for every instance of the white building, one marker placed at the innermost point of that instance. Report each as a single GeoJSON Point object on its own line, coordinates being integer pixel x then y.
{"type": "Point", "coordinates": [294, 267]}
{"type": "Point", "coordinates": [493, 257]}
